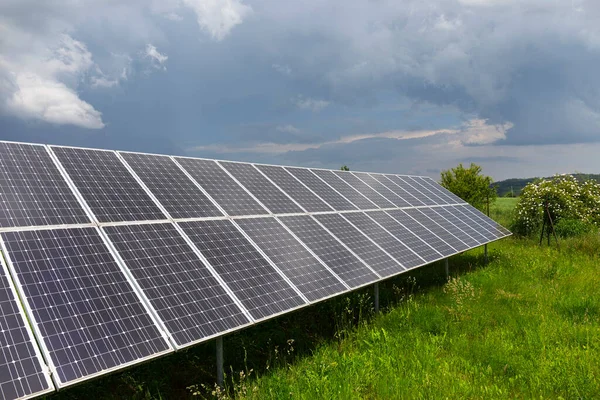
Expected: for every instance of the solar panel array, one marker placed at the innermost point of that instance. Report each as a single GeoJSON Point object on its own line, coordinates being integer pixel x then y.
{"type": "Point", "coordinates": [114, 258]}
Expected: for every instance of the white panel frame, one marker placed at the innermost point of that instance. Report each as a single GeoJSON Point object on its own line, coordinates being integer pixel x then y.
{"type": "Point", "coordinates": [28, 327]}
{"type": "Point", "coordinates": [45, 351]}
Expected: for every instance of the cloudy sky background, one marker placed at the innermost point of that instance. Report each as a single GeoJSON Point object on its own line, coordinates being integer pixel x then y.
{"type": "Point", "coordinates": [389, 86]}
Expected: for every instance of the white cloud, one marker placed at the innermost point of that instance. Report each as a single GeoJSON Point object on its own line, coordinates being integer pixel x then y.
{"type": "Point", "coordinates": [218, 17]}
{"type": "Point", "coordinates": [475, 131]}
{"type": "Point", "coordinates": [158, 60]}
{"type": "Point", "coordinates": [287, 129]}
{"type": "Point", "coordinates": [40, 84]}
{"type": "Point", "coordinates": [51, 101]}
{"type": "Point", "coordinates": [282, 69]}
{"type": "Point", "coordinates": [307, 103]}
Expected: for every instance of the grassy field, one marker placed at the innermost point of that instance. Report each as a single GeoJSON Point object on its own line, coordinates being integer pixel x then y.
{"type": "Point", "coordinates": [525, 325]}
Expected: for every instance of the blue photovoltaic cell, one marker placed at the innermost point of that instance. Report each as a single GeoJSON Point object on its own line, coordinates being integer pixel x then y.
{"type": "Point", "coordinates": [360, 244]}
{"type": "Point", "coordinates": [433, 185]}
{"type": "Point", "coordinates": [382, 189]}
{"type": "Point", "coordinates": [187, 297]}
{"type": "Point", "coordinates": [177, 193]}
{"type": "Point", "coordinates": [394, 246]}
{"type": "Point", "coordinates": [466, 241]}
{"type": "Point", "coordinates": [446, 195]}
{"type": "Point", "coordinates": [298, 264]}
{"type": "Point", "coordinates": [452, 216]}
{"type": "Point", "coordinates": [87, 313]}
{"type": "Point", "coordinates": [21, 370]}
{"type": "Point", "coordinates": [482, 218]}
{"type": "Point", "coordinates": [412, 227]}
{"type": "Point", "coordinates": [294, 188]}
{"type": "Point", "coordinates": [398, 190]}
{"type": "Point", "coordinates": [33, 191]}
{"type": "Point", "coordinates": [484, 230]}
{"type": "Point", "coordinates": [417, 183]}
{"type": "Point", "coordinates": [415, 193]}
{"type": "Point", "coordinates": [437, 229]}
{"type": "Point", "coordinates": [327, 248]}
{"type": "Point", "coordinates": [323, 190]}
{"type": "Point", "coordinates": [109, 189]}
{"type": "Point", "coordinates": [247, 273]}
{"type": "Point", "coordinates": [221, 187]}
{"type": "Point", "coordinates": [267, 193]}
{"type": "Point", "coordinates": [345, 189]}
{"type": "Point", "coordinates": [364, 189]}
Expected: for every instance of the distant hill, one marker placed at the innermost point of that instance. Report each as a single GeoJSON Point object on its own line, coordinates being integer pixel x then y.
{"type": "Point", "coordinates": [516, 185]}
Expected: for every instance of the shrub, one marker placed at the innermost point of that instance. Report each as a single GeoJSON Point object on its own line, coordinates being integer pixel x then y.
{"type": "Point", "coordinates": [567, 200]}
{"type": "Point", "coordinates": [572, 227]}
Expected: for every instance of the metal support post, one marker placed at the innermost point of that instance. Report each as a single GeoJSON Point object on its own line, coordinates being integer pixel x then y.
{"type": "Point", "coordinates": [220, 361]}
{"type": "Point", "coordinates": [485, 256]}
{"type": "Point", "coordinates": [376, 295]}
{"type": "Point", "coordinates": [447, 269]}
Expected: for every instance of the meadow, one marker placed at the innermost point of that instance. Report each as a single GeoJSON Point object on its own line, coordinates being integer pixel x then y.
{"type": "Point", "coordinates": [525, 325]}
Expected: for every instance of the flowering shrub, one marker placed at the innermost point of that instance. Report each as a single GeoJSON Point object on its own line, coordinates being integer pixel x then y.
{"type": "Point", "coordinates": [567, 199]}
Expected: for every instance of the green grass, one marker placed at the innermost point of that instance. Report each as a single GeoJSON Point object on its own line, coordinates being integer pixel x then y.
{"type": "Point", "coordinates": [526, 325]}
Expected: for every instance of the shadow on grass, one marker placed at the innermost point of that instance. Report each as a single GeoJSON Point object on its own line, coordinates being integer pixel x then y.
{"type": "Point", "coordinates": [270, 344]}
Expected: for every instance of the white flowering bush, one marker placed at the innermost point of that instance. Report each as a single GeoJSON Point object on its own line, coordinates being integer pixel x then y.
{"type": "Point", "coordinates": [567, 200]}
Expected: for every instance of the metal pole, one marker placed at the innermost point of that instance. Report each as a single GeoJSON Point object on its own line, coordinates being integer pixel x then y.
{"type": "Point", "coordinates": [376, 296]}
{"type": "Point", "coordinates": [447, 269]}
{"type": "Point", "coordinates": [220, 361]}
{"type": "Point", "coordinates": [485, 256]}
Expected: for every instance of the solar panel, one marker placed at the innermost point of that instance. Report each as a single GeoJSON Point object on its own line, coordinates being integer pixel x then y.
{"type": "Point", "coordinates": [411, 226]}
{"type": "Point", "coordinates": [177, 193]}
{"type": "Point", "coordinates": [109, 189]}
{"type": "Point", "coordinates": [481, 218]}
{"type": "Point", "coordinates": [267, 193]}
{"type": "Point", "coordinates": [417, 184]}
{"type": "Point", "coordinates": [345, 190]}
{"type": "Point", "coordinates": [84, 309]}
{"type": "Point", "coordinates": [433, 185]}
{"type": "Point", "coordinates": [399, 191]}
{"type": "Point", "coordinates": [252, 279]}
{"type": "Point", "coordinates": [452, 216]}
{"type": "Point", "coordinates": [323, 190]}
{"type": "Point", "coordinates": [437, 229]}
{"type": "Point", "coordinates": [422, 198]}
{"type": "Point", "coordinates": [294, 188]}
{"type": "Point", "coordinates": [455, 231]}
{"type": "Point", "coordinates": [364, 189]}
{"type": "Point", "coordinates": [186, 296]}
{"type": "Point", "coordinates": [306, 272]}
{"type": "Point", "coordinates": [441, 192]}
{"type": "Point", "coordinates": [484, 230]}
{"type": "Point", "coordinates": [22, 370]}
{"type": "Point", "coordinates": [360, 244]}
{"type": "Point", "coordinates": [352, 271]}
{"type": "Point", "coordinates": [382, 189]}
{"type": "Point", "coordinates": [221, 187]}
{"type": "Point", "coordinates": [394, 246]}
{"type": "Point", "coordinates": [33, 191]}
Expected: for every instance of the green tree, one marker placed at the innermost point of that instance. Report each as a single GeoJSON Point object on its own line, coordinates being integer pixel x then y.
{"type": "Point", "coordinates": [344, 168]}
{"type": "Point", "coordinates": [470, 185]}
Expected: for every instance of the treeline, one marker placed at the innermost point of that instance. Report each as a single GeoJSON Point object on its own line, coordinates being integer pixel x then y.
{"type": "Point", "coordinates": [514, 186]}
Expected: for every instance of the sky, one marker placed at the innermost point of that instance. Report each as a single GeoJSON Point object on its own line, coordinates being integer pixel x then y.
{"type": "Point", "coordinates": [386, 86]}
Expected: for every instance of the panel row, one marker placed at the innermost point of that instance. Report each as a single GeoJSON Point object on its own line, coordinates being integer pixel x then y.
{"type": "Point", "coordinates": [53, 186]}
{"type": "Point", "coordinates": [102, 298]}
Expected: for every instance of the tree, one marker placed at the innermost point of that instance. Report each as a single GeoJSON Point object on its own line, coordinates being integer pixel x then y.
{"type": "Point", "coordinates": [344, 168]}
{"type": "Point", "coordinates": [470, 185]}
